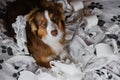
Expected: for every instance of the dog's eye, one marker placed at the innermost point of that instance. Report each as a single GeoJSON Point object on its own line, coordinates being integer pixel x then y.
{"type": "Point", "coordinates": [43, 24]}
{"type": "Point", "coordinates": [54, 20]}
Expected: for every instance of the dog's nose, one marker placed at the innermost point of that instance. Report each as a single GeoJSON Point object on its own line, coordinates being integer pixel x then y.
{"type": "Point", "coordinates": [54, 32]}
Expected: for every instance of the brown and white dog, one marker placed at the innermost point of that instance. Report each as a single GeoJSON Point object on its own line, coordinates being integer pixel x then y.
{"type": "Point", "coordinates": [45, 29]}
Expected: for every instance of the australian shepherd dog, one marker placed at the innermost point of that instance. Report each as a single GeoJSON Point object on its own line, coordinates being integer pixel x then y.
{"type": "Point", "coordinates": [45, 27]}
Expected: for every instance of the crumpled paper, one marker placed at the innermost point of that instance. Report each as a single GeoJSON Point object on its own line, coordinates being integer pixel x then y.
{"type": "Point", "coordinates": [96, 55]}
{"type": "Point", "coordinates": [19, 28]}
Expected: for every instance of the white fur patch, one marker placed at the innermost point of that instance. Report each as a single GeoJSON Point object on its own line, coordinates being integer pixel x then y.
{"type": "Point", "coordinates": [53, 41]}
{"type": "Point", "coordinates": [51, 26]}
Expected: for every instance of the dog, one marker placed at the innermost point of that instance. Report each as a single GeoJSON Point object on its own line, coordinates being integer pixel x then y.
{"type": "Point", "coordinates": [45, 28]}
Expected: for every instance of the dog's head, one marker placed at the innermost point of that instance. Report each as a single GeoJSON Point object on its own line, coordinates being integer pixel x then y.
{"type": "Point", "coordinates": [47, 21]}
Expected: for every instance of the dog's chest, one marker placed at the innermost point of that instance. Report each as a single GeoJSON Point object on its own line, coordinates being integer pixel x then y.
{"type": "Point", "coordinates": [55, 45]}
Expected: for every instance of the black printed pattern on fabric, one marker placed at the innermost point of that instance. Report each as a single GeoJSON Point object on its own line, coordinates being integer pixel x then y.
{"type": "Point", "coordinates": [7, 50]}
{"type": "Point", "coordinates": [119, 6]}
{"type": "Point", "coordinates": [101, 22]}
{"type": "Point", "coordinates": [1, 61]}
{"type": "Point", "coordinates": [105, 73]}
{"type": "Point", "coordinates": [10, 53]}
{"type": "Point", "coordinates": [112, 36]}
{"type": "Point", "coordinates": [116, 19]}
{"type": "Point", "coordinates": [95, 5]}
{"type": "Point", "coordinates": [3, 49]}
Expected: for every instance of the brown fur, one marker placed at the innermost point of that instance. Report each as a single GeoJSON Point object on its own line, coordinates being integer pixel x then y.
{"type": "Point", "coordinates": [36, 27]}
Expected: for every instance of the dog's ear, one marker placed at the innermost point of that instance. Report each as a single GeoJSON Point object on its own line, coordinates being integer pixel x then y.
{"type": "Point", "coordinates": [30, 19]}
{"type": "Point", "coordinates": [30, 15]}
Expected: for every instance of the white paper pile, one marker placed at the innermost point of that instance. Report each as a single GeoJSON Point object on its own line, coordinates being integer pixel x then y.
{"type": "Point", "coordinates": [96, 55]}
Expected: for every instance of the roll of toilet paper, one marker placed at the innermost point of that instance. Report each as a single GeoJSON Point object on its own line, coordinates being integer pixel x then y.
{"type": "Point", "coordinates": [104, 50]}
{"type": "Point", "coordinates": [91, 21]}
{"type": "Point", "coordinates": [77, 5]}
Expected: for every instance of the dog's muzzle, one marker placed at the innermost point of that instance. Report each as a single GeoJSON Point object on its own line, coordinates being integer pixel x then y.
{"type": "Point", "coordinates": [52, 28]}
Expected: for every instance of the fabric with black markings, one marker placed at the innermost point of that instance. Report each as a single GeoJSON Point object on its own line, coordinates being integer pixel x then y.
{"type": "Point", "coordinates": [88, 47]}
